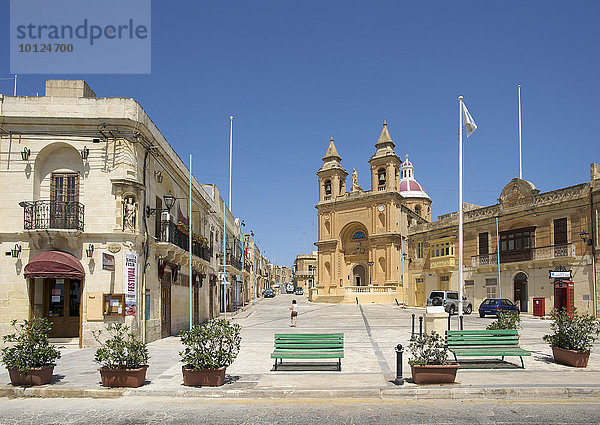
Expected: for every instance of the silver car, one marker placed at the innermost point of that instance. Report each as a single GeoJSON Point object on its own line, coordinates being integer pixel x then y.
{"type": "Point", "coordinates": [449, 300]}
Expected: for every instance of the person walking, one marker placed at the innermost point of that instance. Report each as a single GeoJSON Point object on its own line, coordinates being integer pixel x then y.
{"type": "Point", "coordinates": [294, 309]}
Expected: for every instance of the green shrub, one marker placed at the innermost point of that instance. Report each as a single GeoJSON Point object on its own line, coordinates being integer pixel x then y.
{"type": "Point", "coordinates": [429, 349]}
{"type": "Point", "coordinates": [211, 345]}
{"type": "Point", "coordinates": [573, 333]}
{"type": "Point", "coordinates": [505, 320]}
{"type": "Point", "coordinates": [31, 346]}
{"type": "Point", "coordinates": [121, 350]}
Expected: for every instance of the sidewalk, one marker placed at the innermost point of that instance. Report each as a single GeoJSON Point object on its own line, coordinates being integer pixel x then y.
{"type": "Point", "coordinates": [371, 333]}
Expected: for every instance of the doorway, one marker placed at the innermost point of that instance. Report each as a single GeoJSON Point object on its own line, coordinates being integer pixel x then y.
{"type": "Point", "coordinates": [62, 307]}
{"type": "Point", "coordinates": [165, 306]}
{"type": "Point", "coordinates": [521, 295]}
{"type": "Point", "coordinates": [359, 275]}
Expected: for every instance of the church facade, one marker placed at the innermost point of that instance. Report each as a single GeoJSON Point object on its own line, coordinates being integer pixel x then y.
{"type": "Point", "coordinates": [362, 234]}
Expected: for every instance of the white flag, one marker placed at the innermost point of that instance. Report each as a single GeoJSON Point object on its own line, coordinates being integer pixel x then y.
{"type": "Point", "coordinates": [468, 120]}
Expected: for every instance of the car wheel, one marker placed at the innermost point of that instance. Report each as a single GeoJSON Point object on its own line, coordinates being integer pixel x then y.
{"type": "Point", "coordinates": [481, 314]}
{"type": "Point", "coordinates": [451, 310]}
{"type": "Point", "coordinates": [469, 309]}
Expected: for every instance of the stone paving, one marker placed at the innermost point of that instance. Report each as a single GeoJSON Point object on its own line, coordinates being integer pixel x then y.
{"type": "Point", "coordinates": [371, 332]}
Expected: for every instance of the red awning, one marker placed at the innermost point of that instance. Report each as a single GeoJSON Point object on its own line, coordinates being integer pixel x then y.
{"type": "Point", "coordinates": [54, 265]}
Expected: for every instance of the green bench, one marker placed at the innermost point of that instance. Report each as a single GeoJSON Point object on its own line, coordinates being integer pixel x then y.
{"type": "Point", "coordinates": [308, 346]}
{"type": "Point", "coordinates": [485, 343]}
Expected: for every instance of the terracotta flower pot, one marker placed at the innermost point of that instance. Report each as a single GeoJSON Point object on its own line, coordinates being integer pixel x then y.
{"type": "Point", "coordinates": [130, 378]}
{"type": "Point", "coordinates": [571, 357]}
{"type": "Point", "coordinates": [434, 374]}
{"type": "Point", "coordinates": [203, 377]}
{"type": "Point", "coordinates": [36, 376]}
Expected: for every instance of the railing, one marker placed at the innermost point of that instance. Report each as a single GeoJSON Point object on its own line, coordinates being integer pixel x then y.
{"type": "Point", "coordinates": [53, 215]}
{"type": "Point", "coordinates": [370, 289]}
{"type": "Point", "coordinates": [171, 234]}
{"type": "Point", "coordinates": [533, 254]}
{"type": "Point", "coordinates": [232, 261]}
{"type": "Point", "coordinates": [381, 188]}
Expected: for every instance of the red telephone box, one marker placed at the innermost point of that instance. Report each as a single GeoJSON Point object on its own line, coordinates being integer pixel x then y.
{"type": "Point", "coordinates": [564, 296]}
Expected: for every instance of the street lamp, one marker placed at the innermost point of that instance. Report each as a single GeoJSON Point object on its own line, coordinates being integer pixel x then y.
{"type": "Point", "coordinates": [584, 237]}
{"type": "Point", "coordinates": [370, 263]}
{"type": "Point", "coordinates": [169, 202]}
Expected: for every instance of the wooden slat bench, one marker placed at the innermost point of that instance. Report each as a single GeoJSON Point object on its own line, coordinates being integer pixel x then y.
{"type": "Point", "coordinates": [309, 346]}
{"type": "Point", "coordinates": [485, 343]}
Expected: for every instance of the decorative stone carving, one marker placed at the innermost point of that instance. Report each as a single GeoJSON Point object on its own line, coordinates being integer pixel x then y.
{"type": "Point", "coordinates": [518, 192]}
{"type": "Point", "coordinates": [114, 247]}
{"type": "Point", "coordinates": [129, 213]}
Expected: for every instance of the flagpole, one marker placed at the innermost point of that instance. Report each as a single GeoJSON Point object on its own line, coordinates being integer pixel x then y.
{"type": "Point", "coordinates": [460, 214]}
{"type": "Point", "coordinates": [520, 154]}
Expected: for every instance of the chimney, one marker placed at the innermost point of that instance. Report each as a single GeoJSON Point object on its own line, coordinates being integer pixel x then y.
{"type": "Point", "coordinates": [68, 88]}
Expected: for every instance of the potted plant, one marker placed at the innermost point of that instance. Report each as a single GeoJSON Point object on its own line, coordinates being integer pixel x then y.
{"type": "Point", "coordinates": [208, 350]}
{"type": "Point", "coordinates": [429, 360]}
{"type": "Point", "coordinates": [507, 320]}
{"type": "Point", "coordinates": [30, 360]}
{"type": "Point", "coordinates": [572, 337]}
{"type": "Point", "coordinates": [123, 357]}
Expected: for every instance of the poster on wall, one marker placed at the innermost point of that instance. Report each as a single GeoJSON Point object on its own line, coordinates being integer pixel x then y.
{"type": "Point", "coordinates": [131, 283]}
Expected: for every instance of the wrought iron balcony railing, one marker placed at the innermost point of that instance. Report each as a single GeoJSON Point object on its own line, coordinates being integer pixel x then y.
{"type": "Point", "coordinates": [170, 233]}
{"type": "Point", "coordinates": [52, 215]}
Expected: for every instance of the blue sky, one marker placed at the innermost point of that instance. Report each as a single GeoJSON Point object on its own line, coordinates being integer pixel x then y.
{"type": "Point", "coordinates": [296, 73]}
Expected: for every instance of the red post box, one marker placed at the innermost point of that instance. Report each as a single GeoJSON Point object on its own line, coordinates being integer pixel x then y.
{"type": "Point", "coordinates": [539, 307]}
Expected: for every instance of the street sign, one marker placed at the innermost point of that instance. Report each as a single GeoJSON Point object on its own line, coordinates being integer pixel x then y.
{"type": "Point", "coordinates": [555, 274]}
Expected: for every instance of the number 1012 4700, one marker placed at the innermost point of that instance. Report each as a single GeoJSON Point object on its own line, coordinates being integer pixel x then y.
{"type": "Point", "coordinates": [45, 48]}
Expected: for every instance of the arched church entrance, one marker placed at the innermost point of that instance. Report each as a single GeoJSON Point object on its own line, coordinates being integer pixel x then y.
{"type": "Point", "coordinates": [360, 275]}
{"type": "Point", "coordinates": [521, 295]}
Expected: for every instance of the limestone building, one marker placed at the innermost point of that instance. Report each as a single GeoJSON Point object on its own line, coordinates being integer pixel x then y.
{"type": "Point", "coordinates": [361, 232]}
{"type": "Point", "coordinates": [97, 220]}
{"type": "Point", "coordinates": [305, 271]}
{"type": "Point", "coordinates": [535, 233]}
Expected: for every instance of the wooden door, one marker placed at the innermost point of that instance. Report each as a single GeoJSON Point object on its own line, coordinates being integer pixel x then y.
{"type": "Point", "coordinates": [196, 305]}
{"type": "Point", "coordinates": [64, 197]}
{"type": "Point", "coordinates": [62, 307]}
{"type": "Point", "coordinates": [420, 292]}
{"type": "Point", "coordinates": [165, 309]}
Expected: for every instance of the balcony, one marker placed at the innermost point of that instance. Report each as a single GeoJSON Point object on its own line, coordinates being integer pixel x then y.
{"type": "Point", "coordinates": [236, 263]}
{"type": "Point", "coordinates": [544, 253]}
{"type": "Point", "coordinates": [305, 273]}
{"type": "Point", "coordinates": [445, 262]}
{"type": "Point", "coordinates": [171, 234]}
{"type": "Point", "coordinates": [43, 215]}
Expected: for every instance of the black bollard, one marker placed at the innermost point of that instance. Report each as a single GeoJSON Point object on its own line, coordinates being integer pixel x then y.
{"type": "Point", "coordinates": [449, 316]}
{"type": "Point", "coordinates": [412, 332]}
{"type": "Point", "coordinates": [421, 326]}
{"type": "Point", "coordinates": [460, 319]}
{"type": "Point", "coordinates": [399, 351]}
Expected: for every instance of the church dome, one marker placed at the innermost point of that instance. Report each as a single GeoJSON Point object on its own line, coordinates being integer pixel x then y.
{"type": "Point", "coordinates": [409, 187]}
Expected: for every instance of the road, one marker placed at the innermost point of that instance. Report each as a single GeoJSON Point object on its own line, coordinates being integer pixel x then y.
{"type": "Point", "coordinates": [144, 410]}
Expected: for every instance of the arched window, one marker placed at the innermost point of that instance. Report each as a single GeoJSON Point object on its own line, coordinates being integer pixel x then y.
{"type": "Point", "coordinates": [381, 177]}
{"type": "Point", "coordinates": [328, 187]}
{"type": "Point", "coordinates": [418, 209]}
{"type": "Point", "coordinates": [359, 235]}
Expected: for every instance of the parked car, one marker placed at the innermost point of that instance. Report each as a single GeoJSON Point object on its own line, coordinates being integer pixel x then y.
{"type": "Point", "coordinates": [269, 293]}
{"type": "Point", "coordinates": [449, 300]}
{"type": "Point", "coordinates": [495, 305]}
{"type": "Point", "coordinates": [299, 291]}
{"type": "Point", "coordinates": [289, 288]}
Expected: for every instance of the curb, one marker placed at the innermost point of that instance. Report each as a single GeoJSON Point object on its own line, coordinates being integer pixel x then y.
{"type": "Point", "coordinates": [444, 392]}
